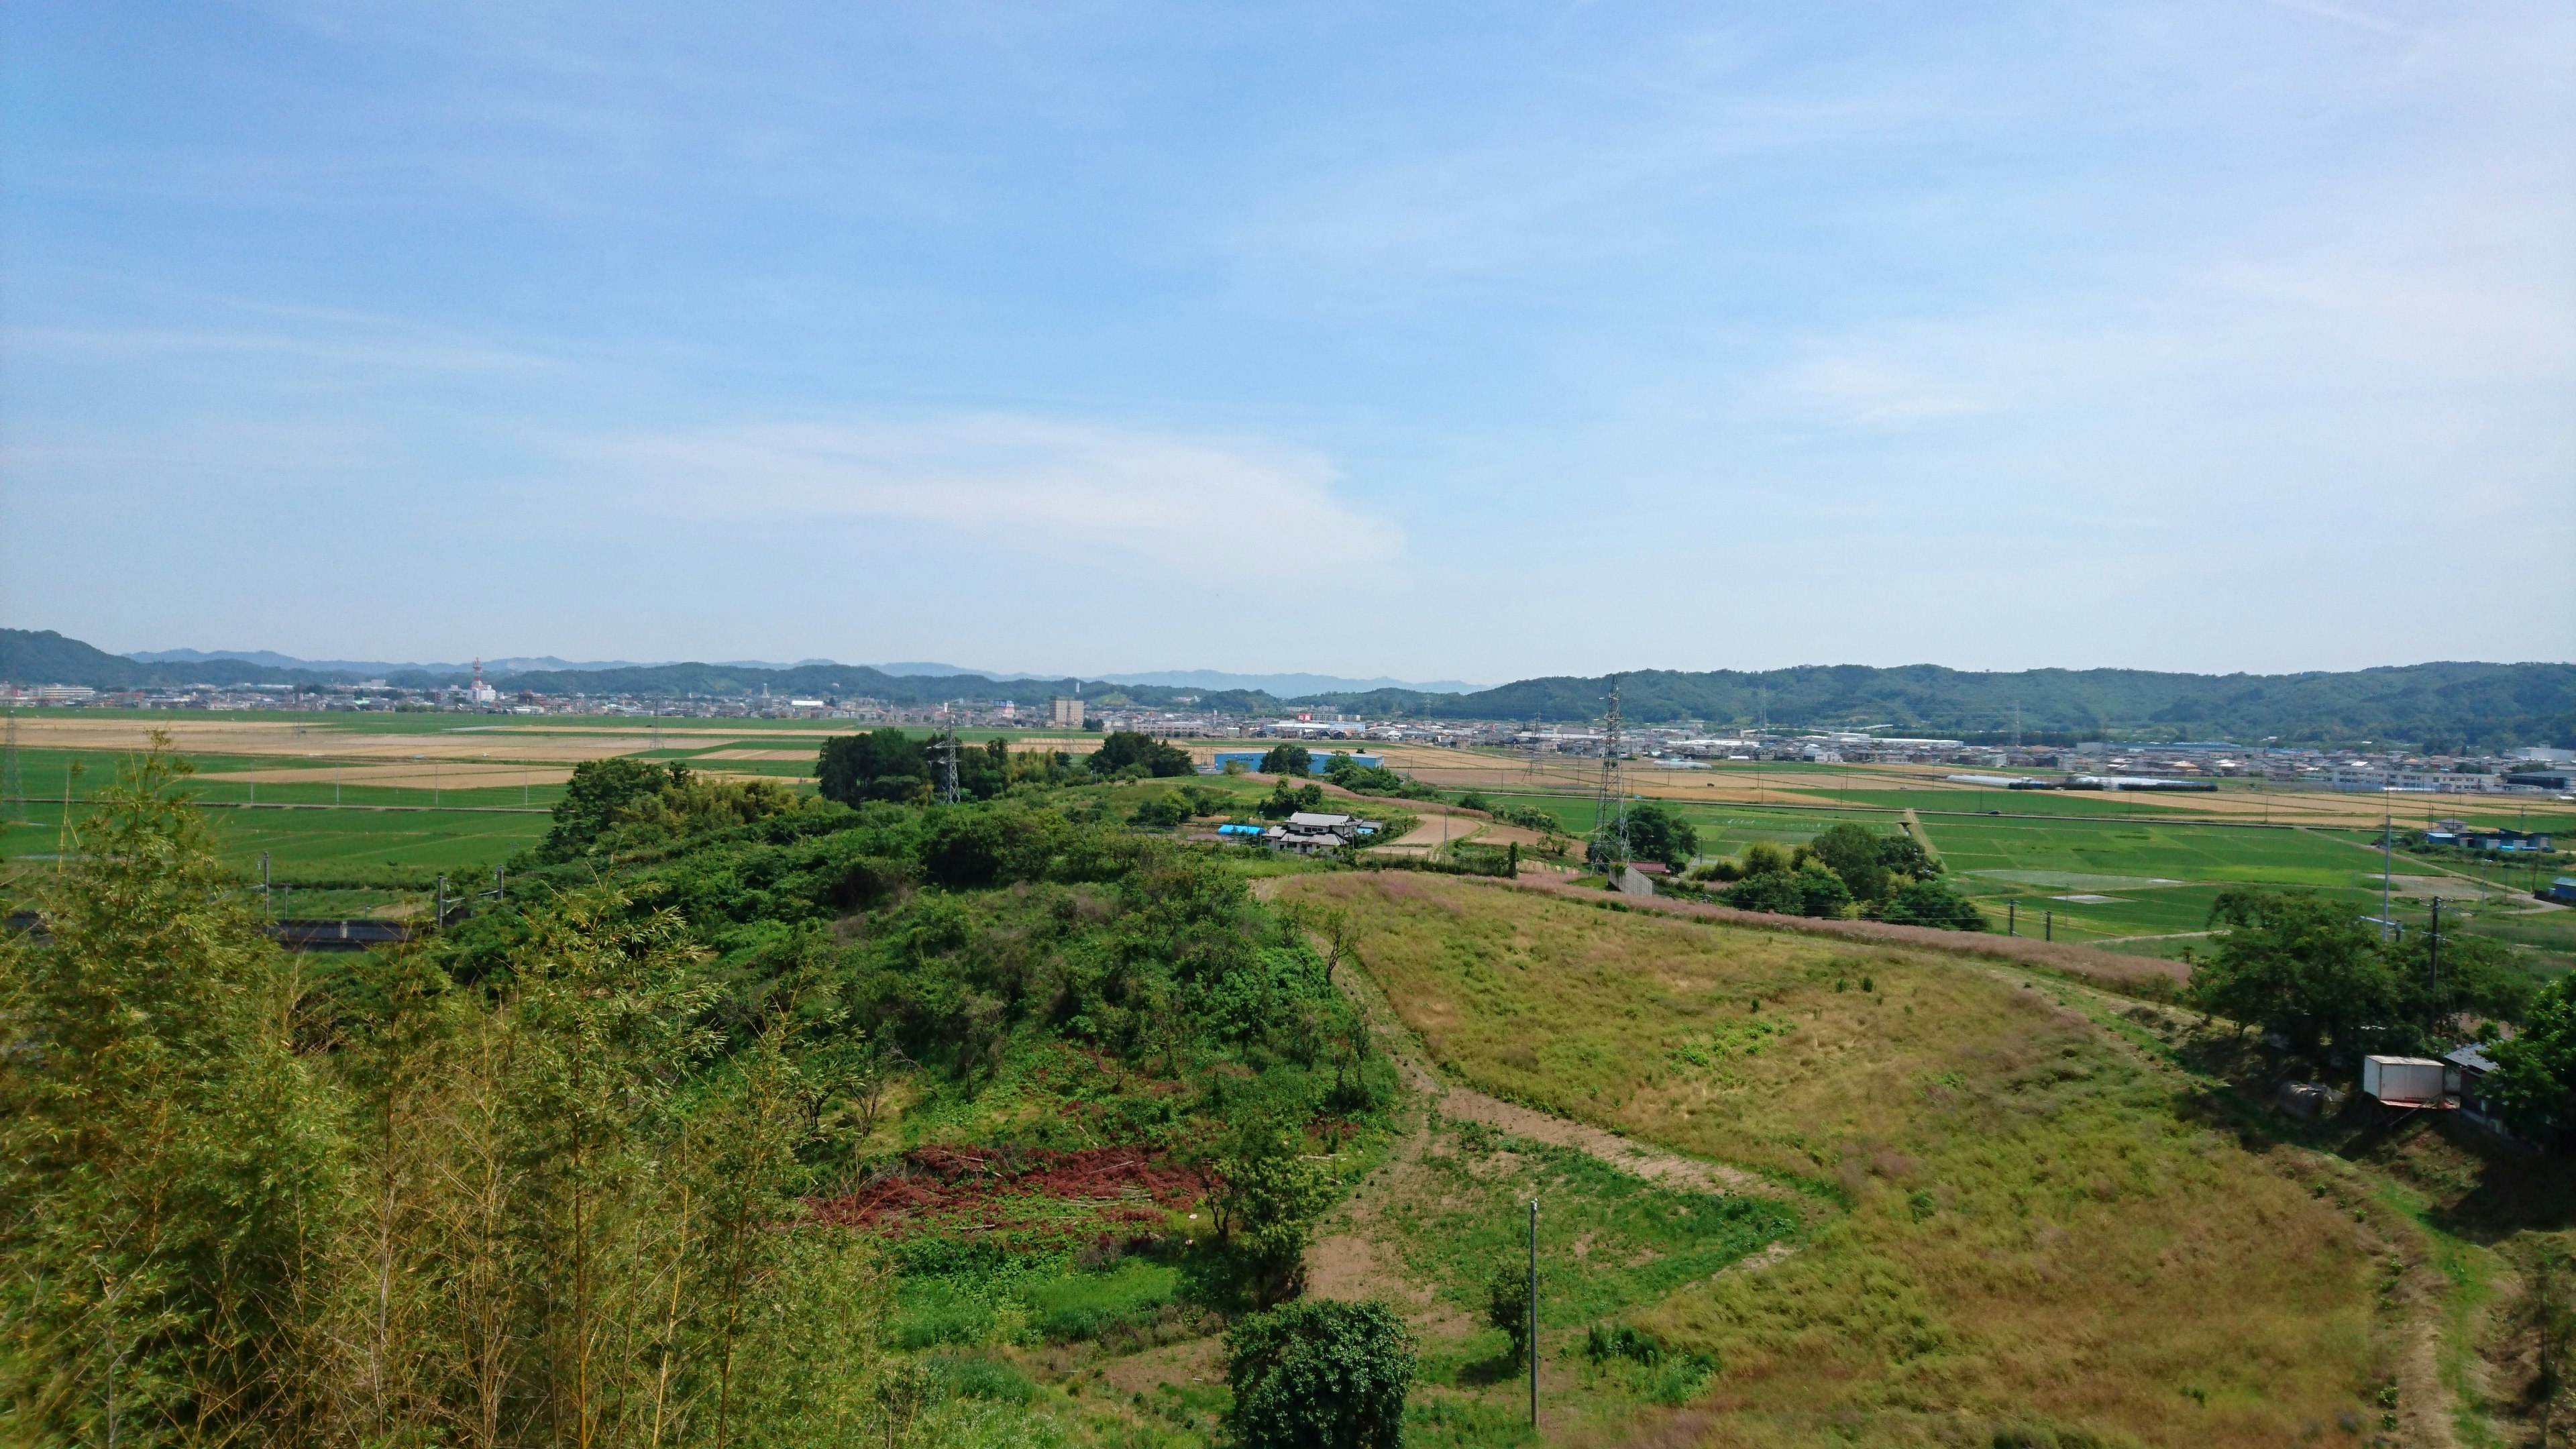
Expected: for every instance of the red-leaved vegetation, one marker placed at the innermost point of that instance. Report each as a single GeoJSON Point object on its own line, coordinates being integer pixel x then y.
{"type": "Point", "coordinates": [1013, 1187]}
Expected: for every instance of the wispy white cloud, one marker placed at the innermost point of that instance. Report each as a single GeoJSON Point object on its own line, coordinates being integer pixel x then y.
{"type": "Point", "coordinates": [1140, 500]}
{"type": "Point", "coordinates": [2342, 14]}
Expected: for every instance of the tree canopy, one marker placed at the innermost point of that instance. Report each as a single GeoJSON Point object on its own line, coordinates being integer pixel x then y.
{"type": "Point", "coordinates": [1657, 831]}
{"type": "Point", "coordinates": [1122, 749]}
{"type": "Point", "coordinates": [1286, 760]}
{"type": "Point", "coordinates": [1320, 1374]}
{"type": "Point", "coordinates": [873, 765]}
{"type": "Point", "coordinates": [2535, 1076]}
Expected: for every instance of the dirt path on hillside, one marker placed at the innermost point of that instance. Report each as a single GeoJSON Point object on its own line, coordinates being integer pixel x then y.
{"type": "Point", "coordinates": [1351, 1263]}
{"type": "Point", "coordinates": [2421, 1291]}
{"type": "Point", "coordinates": [1466, 1104]}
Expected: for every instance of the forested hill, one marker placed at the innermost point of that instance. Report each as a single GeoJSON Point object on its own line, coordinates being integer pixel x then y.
{"type": "Point", "coordinates": [2488, 704]}
{"type": "Point", "coordinates": [41, 656]}
{"type": "Point", "coordinates": [843, 681]}
{"type": "Point", "coordinates": [2439, 705]}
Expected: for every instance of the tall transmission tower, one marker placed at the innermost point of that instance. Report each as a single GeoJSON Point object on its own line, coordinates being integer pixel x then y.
{"type": "Point", "coordinates": [1610, 809]}
{"type": "Point", "coordinates": [948, 765]}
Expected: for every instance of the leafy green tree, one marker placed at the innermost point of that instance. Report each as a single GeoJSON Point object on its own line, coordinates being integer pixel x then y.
{"type": "Point", "coordinates": [1853, 852]}
{"type": "Point", "coordinates": [1656, 831]}
{"type": "Point", "coordinates": [2295, 963]}
{"type": "Point", "coordinates": [1287, 760]}
{"type": "Point", "coordinates": [694, 803]}
{"type": "Point", "coordinates": [2534, 1082]}
{"type": "Point", "coordinates": [597, 793]}
{"type": "Point", "coordinates": [984, 771]}
{"type": "Point", "coordinates": [1284, 802]}
{"type": "Point", "coordinates": [1507, 1305]}
{"type": "Point", "coordinates": [168, 1161]}
{"type": "Point", "coordinates": [1270, 1201]}
{"type": "Point", "coordinates": [1474, 800]}
{"type": "Point", "coordinates": [1320, 1374]}
{"type": "Point", "coordinates": [873, 765]}
{"type": "Point", "coordinates": [2477, 977]}
{"type": "Point", "coordinates": [1122, 748]}
{"type": "Point", "coordinates": [1810, 890]}
{"type": "Point", "coordinates": [1905, 856]}
{"type": "Point", "coordinates": [1160, 813]}
{"type": "Point", "coordinates": [1931, 903]}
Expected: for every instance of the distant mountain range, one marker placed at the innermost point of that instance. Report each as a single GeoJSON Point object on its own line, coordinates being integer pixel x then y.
{"type": "Point", "coordinates": [2444, 705]}
{"type": "Point", "coordinates": [1284, 686]}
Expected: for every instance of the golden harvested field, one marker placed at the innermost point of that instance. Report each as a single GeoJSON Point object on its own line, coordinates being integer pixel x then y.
{"type": "Point", "coordinates": [2021, 1225]}
{"type": "Point", "coordinates": [215, 735]}
{"type": "Point", "coordinates": [754, 755]}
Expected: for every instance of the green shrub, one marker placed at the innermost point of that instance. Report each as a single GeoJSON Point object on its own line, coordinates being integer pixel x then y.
{"type": "Point", "coordinates": [1320, 1373]}
{"type": "Point", "coordinates": [1931, 903]}
{"type": "Point", "coordinates": [968, 1377]}
{"type": "Point", "coordinates": [1507, 1304]}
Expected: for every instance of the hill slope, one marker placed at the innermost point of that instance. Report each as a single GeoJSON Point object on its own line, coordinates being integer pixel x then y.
{"type": "Point", "coordinates": [2467, 703]}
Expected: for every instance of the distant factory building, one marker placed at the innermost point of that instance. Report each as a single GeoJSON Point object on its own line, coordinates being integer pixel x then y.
{"type": "Point", "coordinates": [1067, 711]}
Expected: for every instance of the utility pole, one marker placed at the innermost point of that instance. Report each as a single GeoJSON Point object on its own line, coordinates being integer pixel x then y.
{"type": "Point", "coordinates": [2387, 835]}
{"type": "Point", "coordinates": [2433, 945]}
{"type": "Point", "coordinates": [1531, 1332]}
{"type": "Point", "coordinates": [948, 766]}
{"type": "Point", "coordinates": [263, 884]}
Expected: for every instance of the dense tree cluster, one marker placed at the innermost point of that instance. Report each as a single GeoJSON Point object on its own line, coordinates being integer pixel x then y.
{"type": "Point", "coordinates": [1846, 869]}
{"type": "Point", "coordinates": [2301, 965]}
{"type": "Point", "coordinates": [1129, 754]}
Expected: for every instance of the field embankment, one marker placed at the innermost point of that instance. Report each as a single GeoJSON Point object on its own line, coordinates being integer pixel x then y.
{"type": "Point", "coordinates": [2024, 1226]}
{"type": "Point", "coordinates": [2134, 974]}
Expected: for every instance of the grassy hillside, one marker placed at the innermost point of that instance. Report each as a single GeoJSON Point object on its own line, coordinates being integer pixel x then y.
{"type": "Point", "coordinates": [2025, 1223]}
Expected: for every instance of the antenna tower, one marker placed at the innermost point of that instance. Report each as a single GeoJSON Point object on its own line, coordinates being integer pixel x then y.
{"type": "Point", "coordinates": [1610, 809]}
{"type": "Point", "coordinates": [948, 766]}
{"type": "Point", "coordinates": [13, 789]}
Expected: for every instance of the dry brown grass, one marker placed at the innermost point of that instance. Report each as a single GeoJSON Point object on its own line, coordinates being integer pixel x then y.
{"type": "Point", "coordinates": [221, 736]}
{"type": "Point", "coordinates": [2021, 1225]}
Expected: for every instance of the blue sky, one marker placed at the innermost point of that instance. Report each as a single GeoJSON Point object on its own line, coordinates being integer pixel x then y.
{"type": "Point", "coordinates": [1474, 341]}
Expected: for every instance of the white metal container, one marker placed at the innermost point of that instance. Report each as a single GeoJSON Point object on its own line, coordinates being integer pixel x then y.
{"type": "Point", "coordinates": [2402, 1081]}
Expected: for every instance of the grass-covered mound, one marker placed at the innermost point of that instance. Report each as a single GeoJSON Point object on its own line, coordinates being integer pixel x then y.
{"type": "Point", "coordinates": [2020, 1221]}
